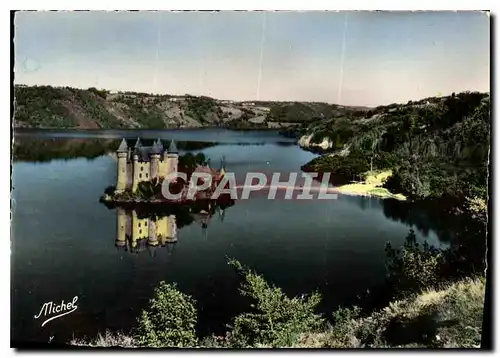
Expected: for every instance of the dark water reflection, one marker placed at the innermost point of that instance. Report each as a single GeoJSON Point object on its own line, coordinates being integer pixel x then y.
{"type": "Point", "coordinates": [66, 243]}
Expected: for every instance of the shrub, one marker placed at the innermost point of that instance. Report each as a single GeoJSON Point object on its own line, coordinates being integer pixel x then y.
{"type": "Point", "coordinates": [341, 334]}
{"type": "Point", "coordinates": [413, 268]}
{"type": "Point", "coordinates": [170, 319]}
{"type": "Point", "coordinates": [275, 320]}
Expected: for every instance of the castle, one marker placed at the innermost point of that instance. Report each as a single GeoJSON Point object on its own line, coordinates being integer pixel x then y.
{"type": "Point", "coordinates": [142, 163]}
{"type": "Point", "coordinates": [135, 232]}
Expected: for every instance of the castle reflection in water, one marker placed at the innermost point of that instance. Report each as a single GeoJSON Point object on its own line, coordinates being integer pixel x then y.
{"type": "Point", "coordinates": [137, 234]}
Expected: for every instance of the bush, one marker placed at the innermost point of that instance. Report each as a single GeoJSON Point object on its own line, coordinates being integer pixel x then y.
{"type": "Point", "coordinates": [413, 268]}
{"type": "Point", "coordinates": [170, 320]}
{"type": "Point", "coordinates": [275, 320]}
{"type": "Point", "coordinates": [341, 334]}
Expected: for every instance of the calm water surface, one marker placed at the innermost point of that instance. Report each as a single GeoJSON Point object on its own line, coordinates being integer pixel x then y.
{"type": "Point", "coordinates": [63, 240]}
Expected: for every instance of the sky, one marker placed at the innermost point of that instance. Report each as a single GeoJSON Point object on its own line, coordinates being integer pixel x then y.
{"type": "Point", "coordinates": [348, 58]}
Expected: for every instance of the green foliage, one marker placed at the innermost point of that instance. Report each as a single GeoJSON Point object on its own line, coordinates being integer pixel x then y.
{"type": "Point", "coordinates": [448, 317]}
{"type": "Point", "coordinates": [145, 111]}
{"type": "Point", "coordinates": [199, 107]}
{"type": "Point", "coordinates": [435, 147]}
{"type": "Point", "coordinates": [464, 306]}
{"type": "Point", "coordinates": [275, 319]}
{"type": "Point", "coordinates": [343, 169]}
{"type": "Point", "coordinates": [341, 331]}
{"type": "Point", "coordinates": [149, 189]}
{"type": "Point", "coordinates": [413, 268]}
{"type": "Point", "coordinates": [170, 319]}
{"type": "Point", "coordinates": [41, 106]}
{"type": "Point", "coordinates": [56, 107]}
{"type": "Point", "coordinates": [94, 106]}
{"type": "Point", "coordinates": [101, 93]}
{"type": "Point", "coordinates": [299, 112]}
{"type": "Point", "coordinates": [189, 161]}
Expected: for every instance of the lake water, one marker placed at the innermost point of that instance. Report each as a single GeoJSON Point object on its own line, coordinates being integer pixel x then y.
{"type": "Point", "coordinates": [64, 239]}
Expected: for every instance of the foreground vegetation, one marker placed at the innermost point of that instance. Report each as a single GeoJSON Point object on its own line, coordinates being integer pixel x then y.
{"type": "Point", "coordinates": [449, 316]}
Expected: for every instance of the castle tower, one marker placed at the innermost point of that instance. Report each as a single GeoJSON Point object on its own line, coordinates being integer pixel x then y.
{"type": "Point", "coordinates": [160, 145]}
{"type": "Point", "coordinates": [122, 155]}
{"type": "Point", "coordinates": [135, 234]}
{"type": "Point", "coordinates": [172, 157]}
{"type": "Point", "coordinates": [172, 228]}
{"type": "Point", "coordinates": [155, 160]}
{"type": "Point", "coordinates": [152, 239]}
{"type": "Point", "coordinates": [140, 230]}
{"type": "Point", "coordinates": [121, 227]}
{"type": "Point", "coordinates": [222, 165]}
{"type": "Point", "coordinates": [135, 158]}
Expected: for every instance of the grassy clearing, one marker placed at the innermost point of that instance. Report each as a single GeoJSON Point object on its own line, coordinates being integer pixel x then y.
{"type": "Point", "coordinates": [371, 186]}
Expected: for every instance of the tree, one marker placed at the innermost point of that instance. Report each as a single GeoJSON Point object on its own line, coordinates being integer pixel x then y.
{"type": "Point", "coordinates": [170, 319]}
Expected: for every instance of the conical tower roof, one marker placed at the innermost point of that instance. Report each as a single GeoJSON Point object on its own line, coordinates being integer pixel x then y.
{"type": "Point", "coordinates": [172, 148]}
{"type": "Point", "coordinates": [159, 144]}
{"type": "Point", "coordinates": [137, 147]}
{"type": "Point", "coordinates": [123, 148]}
{"type": "Point", "coordinates": [222, 166]}
{"type": "Point", "coordinates": [155, 149]}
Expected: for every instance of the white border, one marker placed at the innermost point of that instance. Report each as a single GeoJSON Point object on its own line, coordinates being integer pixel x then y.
{"type": "Point", "coordinates": [253, 5]}
{"type": "Point", "coordinates": [186, 5]}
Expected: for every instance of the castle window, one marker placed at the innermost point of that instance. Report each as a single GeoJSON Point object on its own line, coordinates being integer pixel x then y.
{"type": "Point", "coordinates": [139, 224]}
{"type": "Point", "coordinates": [146, 175]}
{"type": "Point", "coordinates": [140, 232]}
{"type": "Point", "coordinates": [142, 168]}
{"type": "Point", "coordinates": [140, 175]}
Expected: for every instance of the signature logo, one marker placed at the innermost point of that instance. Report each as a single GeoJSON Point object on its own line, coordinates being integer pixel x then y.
{"type": "Point", "coordinates": [49, 309]}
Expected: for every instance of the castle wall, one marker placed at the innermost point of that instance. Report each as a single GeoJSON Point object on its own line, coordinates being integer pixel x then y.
{"type": "Point", "coordinates": [155, 165]}
{"type": "Point", "coordinates": [172, 227]}
{"type": "Point", "coordinates": [163, 169]}
{"type": "Point", "coordinates": [131, 173]}
{"type": "Point", "coordinates": [140, 227]}
{"type": "Point", "coordinates": [121, 225]}
{"type": "Point", "coordinates": [130, 227]}
{"type": "Point", "coordinates": [121, 182]}
{"type": "Point", "coordinates": [172, 161]}
{"type": "Point", "coordinates": [144, 173]}
{"type": "Point", "coordinates": [161, 227]}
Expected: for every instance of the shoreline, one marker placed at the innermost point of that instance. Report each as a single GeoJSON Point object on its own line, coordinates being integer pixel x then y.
{"type": "Point", "coordinates": [372, 186]}
{"type": "Point", "coordinates": [379, 195]}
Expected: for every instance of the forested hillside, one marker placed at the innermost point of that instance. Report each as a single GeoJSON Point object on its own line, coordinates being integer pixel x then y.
{"type": "Point", "coordinates": [435, 147]}
{"type": "Point", "coordinates": [65, 107]}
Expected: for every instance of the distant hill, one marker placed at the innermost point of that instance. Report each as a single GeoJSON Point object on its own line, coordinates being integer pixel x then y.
{"type": "Point", "coordinates": [66, 107]}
